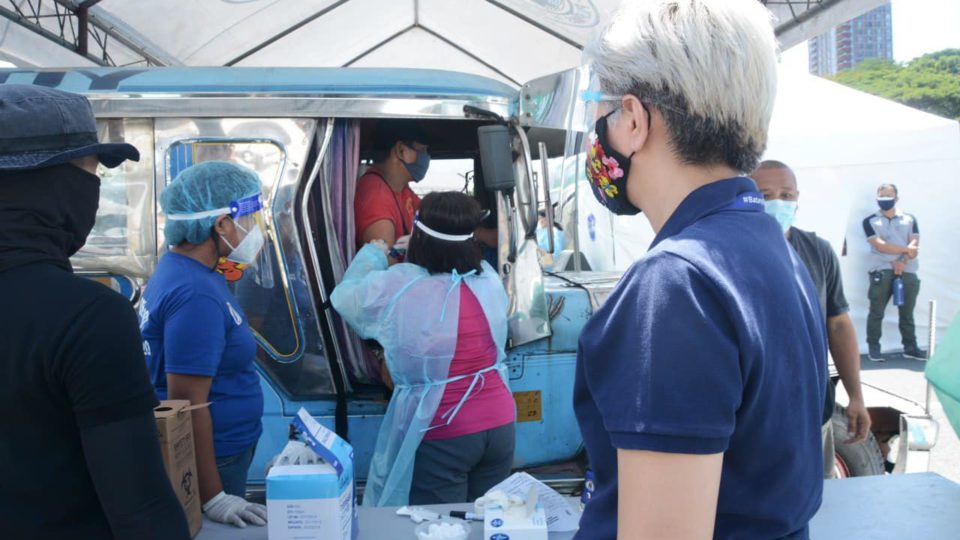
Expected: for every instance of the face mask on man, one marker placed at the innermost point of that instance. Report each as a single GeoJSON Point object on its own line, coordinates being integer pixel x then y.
{"type": "Point", "coordinates": [608, 171]}
{"type": "Point", "coordinates": [886, 203]}
{"type": "Point", "coordinates": [418, 169]}
{"type": "Point", "coordinates": [785, 212]}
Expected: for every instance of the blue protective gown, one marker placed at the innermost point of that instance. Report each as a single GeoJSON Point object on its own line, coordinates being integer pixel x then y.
{"type": "Point", "coordinates": [415, 317]}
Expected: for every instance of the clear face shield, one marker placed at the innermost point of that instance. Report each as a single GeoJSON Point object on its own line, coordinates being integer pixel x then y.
{"type": "Point", "coordinates": [603, 169]}
{"type": "Point", "coordinates": [250, 254]}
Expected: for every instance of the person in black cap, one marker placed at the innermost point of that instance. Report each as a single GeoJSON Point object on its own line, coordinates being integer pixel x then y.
{"type": "Point", "coordinates": [79, 452]}
{"type": "Point", "coordinates": [384, 205]}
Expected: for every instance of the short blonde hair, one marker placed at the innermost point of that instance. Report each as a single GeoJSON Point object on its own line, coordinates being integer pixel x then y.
{"type": "Point", "coordinates": [709, 67]}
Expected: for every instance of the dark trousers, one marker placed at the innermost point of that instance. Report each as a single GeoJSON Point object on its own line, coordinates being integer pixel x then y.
{"type": "Point", "coordinates": [233, 471]}
{"type": "Point", "coordinates": [460, 469]}
{"type": "Point", "coordinates": [881, 289]}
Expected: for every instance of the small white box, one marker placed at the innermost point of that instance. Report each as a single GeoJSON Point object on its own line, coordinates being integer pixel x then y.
{"type": "Point", "coordinates": [307, 502]}
{"type": "Point", "coordinates": [514, 524]}
{"type": "Point", "coordinates": [314, 501]}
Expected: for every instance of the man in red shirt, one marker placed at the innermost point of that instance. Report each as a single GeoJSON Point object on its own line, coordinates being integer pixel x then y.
{"type": "Point", "coordinates": [384, 205]}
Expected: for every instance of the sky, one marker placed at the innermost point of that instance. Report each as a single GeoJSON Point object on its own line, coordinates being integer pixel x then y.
{"type": "Point", "coordinates": [919, 27]}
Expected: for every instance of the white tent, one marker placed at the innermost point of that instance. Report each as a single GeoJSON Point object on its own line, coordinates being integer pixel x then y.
{"type": "Point", "coordinates": [842, 144]}
{"type": "Point", "coordinates": [510, 40]}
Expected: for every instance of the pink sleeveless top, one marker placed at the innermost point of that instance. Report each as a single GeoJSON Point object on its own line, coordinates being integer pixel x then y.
{"type": "Point", "coordinates": [490, 404]}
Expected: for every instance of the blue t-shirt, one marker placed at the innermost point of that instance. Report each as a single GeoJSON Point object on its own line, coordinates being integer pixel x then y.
{"type": "Point", "coordinates": [712, 342]}
{"type": "Point", "coordinates": [192, 325]}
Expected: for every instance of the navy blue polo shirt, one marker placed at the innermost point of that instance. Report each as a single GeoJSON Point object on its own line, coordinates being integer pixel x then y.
{"type": "Point", "coordinates": [712, 342]}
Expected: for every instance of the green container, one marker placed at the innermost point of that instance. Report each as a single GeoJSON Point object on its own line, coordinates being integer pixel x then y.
{"type": "Point", "coordinates": [943, 372]}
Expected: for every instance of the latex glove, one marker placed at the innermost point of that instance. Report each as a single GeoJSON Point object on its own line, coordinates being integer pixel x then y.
{"type": "Point", "coordinates": [381, 245]}
{"type": "Point", "coordinates": [294, 453]}
{"type": "Point", "coordinates": [402, 243]}
{"type": "Point", "coordinates": [235, 511]}
{"type": "Point", "coordinates": [297, 453]}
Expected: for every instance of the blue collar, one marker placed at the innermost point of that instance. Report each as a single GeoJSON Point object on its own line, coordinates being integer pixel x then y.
{"type": "Point", "coordinates": [737, 194]}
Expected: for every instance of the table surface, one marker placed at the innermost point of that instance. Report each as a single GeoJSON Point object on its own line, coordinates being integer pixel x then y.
{"type": "Point", "coordinates": [868, 508]}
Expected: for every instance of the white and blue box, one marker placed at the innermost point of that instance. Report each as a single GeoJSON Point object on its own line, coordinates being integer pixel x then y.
{"type": "Point", "coordinates": [314, 502]}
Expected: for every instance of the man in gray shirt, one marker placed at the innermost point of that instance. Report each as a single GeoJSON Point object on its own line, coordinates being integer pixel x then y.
{"type": "Point", "coordinates": [894, 239]}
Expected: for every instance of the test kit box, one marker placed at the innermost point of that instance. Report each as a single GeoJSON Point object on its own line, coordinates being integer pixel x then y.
{"type": "Point", "coordinates": [317, 501]}
{"type": "Point", "coordinates": [175, 427]}
{"type": "Point", "coordinates": [514, 524]}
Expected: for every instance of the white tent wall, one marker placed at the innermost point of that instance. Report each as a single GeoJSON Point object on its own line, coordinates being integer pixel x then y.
{"type": "Point", "coordinates": [842, 144]}
{"type": "Point", "coordinates": [24, 48]}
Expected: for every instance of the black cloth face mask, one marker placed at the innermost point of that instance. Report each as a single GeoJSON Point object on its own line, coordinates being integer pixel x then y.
{"type": "Point", "coordinates": [46, 214]}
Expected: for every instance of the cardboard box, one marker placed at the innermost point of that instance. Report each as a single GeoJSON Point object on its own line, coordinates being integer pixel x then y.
{"type": "Point", "coordinates": [314, 502]}
{"type": "Point", "coordinates": [175, 427]}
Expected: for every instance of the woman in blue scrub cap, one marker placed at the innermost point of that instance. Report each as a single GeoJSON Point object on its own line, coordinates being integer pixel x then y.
{"type": "Point", "coordinates": [197, 342]}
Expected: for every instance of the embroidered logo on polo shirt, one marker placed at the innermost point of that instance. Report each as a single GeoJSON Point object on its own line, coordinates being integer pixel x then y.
{"type": "Point", "coordinates": [233, 313]}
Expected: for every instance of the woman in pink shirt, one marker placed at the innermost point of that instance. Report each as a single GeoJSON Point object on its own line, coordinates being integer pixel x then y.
{"type": "Point", "coordinates": [441, 317]}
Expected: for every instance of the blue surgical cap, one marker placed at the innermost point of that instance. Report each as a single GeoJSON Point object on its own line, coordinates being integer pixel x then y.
{"type": "Point", "coordinates": [205, 186]}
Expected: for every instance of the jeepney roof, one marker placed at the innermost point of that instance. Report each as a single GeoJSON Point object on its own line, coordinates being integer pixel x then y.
{"type": "Point", "coordinates": [342, 82]}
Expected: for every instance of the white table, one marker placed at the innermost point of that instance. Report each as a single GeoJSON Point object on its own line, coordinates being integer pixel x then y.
{"type": "Point", "coordinates": [923, 506]}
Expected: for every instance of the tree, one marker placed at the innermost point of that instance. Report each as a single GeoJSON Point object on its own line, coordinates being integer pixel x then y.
{"type": "Point", "coordinates": [930, 82]}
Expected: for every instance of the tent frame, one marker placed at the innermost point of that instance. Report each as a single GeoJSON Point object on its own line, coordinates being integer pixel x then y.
{"type": "Point", "coordinates": [74, 24]}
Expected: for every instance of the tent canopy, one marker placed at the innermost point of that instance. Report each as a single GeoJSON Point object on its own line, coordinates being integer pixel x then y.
{"type": "Point", "coordinates": [510, 40]}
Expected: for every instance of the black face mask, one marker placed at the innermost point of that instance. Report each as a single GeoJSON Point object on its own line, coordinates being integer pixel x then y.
{"type": "Point", "coordinates": [608, 171]}
{"type": "Point", "coordinates": [46, 214]}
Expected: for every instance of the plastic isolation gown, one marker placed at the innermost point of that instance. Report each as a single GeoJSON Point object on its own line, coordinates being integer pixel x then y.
{"type": "Point", "coordinates": [415, 317]}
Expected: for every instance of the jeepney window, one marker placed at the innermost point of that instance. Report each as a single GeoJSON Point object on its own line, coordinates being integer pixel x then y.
{"type": "Point", "coordinates": [446, 175]}
{"type": "Point", "coordinates": [123, 239]}
{"type": "Point", "coordinates": [265, 295]}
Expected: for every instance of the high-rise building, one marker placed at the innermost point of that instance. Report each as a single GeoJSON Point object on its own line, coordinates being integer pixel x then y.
{"type": "Point", "coordinates": [867, 36]}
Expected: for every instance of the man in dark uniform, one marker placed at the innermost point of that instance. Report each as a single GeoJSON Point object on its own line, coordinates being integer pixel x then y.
{"type": "Point", "coordinates": [779, 187]}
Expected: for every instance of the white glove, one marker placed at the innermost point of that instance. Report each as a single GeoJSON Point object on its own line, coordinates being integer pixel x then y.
{"type": "Point", "coordinates": [381, 245]}
{"type": "Point", "coordinates": [297, 453]}
{"type": "Point", "coordinates": [402, 243]}
{"type": "Point", "coordinates": [235, 510]}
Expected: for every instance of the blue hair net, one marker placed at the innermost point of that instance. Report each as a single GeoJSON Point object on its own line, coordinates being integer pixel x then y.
{"type": "Point", "coordinates": [205, 186]}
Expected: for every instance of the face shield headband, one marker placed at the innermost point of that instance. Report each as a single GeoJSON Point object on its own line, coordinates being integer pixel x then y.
{"type": "Point", "coordinates": [439, 235]}
{"type": "Point", "coordinates": [245, 206]}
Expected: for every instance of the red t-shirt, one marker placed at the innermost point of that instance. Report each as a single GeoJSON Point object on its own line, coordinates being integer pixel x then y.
{"type": "Point", "coordinates": [490, 404]}
{"type": "Point", "coordinates": [376, 201]}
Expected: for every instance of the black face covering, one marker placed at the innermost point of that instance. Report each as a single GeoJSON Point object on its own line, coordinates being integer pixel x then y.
{"type": "Point", "coordinates": [46, 214]}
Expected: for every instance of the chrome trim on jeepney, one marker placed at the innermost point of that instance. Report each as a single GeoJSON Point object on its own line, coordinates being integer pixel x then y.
{"type": "Point", "coordinates": [312, 247]}
{"type": "Point", "coordinates": [290, 105]}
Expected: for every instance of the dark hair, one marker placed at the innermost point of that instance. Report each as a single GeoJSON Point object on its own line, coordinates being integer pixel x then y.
{"type": "Point", "coordinates": [891, 186]}
{"type": "Point", "coordinates": [390, 132]}
{"type": "Point", "coordinates": [448, 212]}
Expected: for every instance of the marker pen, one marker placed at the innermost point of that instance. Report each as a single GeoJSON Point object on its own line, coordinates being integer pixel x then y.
{"type": "Point", "coordinates": [469, 516]}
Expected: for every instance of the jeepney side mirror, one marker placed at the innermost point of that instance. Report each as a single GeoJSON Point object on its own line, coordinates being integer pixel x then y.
{"type": "Point", "coordinates": [496, 158]}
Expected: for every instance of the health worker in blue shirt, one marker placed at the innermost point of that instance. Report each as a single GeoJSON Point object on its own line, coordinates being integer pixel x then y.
{"type": "Point", "coordinates": [700, 381]}
{"type": "Point", "coordinates": [196, 338]}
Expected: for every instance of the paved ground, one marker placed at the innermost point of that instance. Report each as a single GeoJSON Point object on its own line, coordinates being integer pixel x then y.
{"type": "Point", "coordinates": [904, 378]}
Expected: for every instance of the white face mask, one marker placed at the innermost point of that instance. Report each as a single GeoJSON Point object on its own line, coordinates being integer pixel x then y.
{"type": "Point", "coordinates": [247, 250]}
